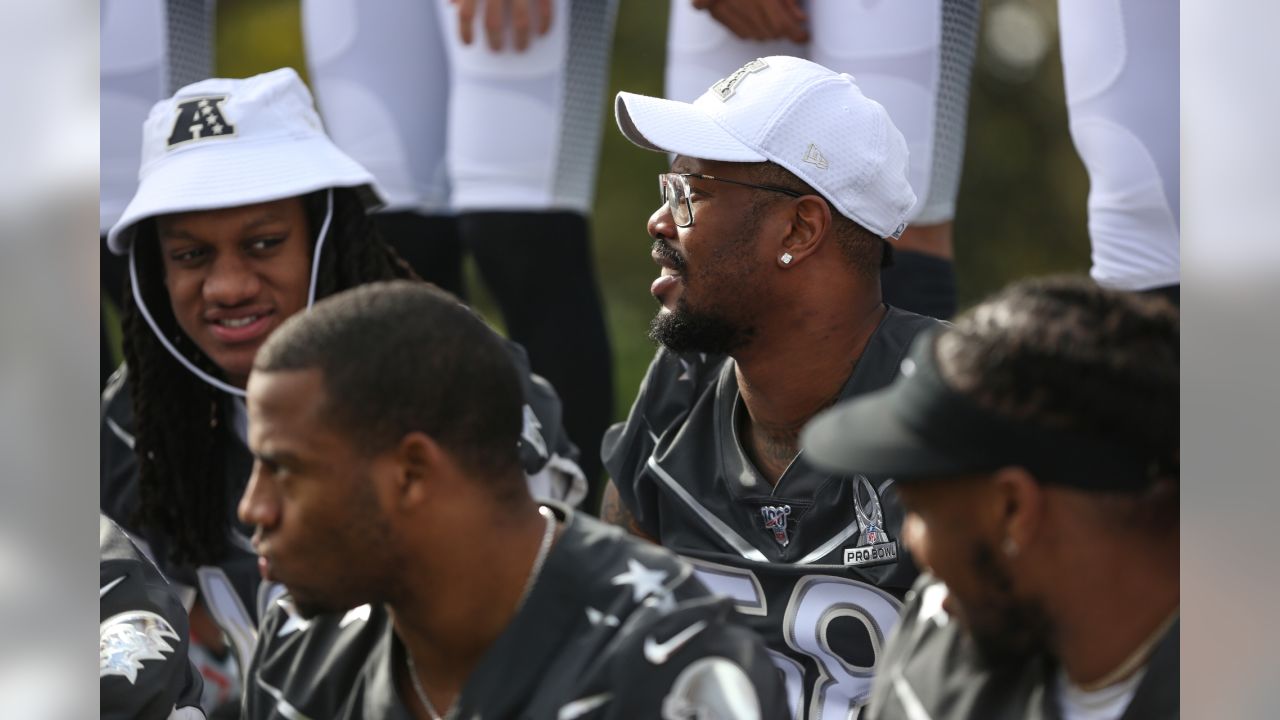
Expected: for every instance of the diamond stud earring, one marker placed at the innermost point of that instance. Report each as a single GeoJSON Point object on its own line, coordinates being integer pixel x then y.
{"type": "Point", "coordinates": [786, 258]}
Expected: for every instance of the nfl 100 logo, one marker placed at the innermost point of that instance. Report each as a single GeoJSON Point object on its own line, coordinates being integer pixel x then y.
{"type": "Point", "coordinates": [775, 519]}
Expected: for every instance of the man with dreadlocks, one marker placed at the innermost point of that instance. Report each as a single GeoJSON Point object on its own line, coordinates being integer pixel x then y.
{"type": "Point", "coordinates": [245, 214]}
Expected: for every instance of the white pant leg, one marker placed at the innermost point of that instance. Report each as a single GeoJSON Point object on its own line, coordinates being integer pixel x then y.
{"type": "Point", "coordinates": [1120, 62]}
{"type": "Point", "coordinates": [133, 79]}
{"type": "Point", "coordinates": [524, 128]}
{"type": "Point", "coordinates": [701, 51]}
{"type": "Point", "coordinates": [379, 74]}
{"type": "Point", "coordinates": [914, 58]}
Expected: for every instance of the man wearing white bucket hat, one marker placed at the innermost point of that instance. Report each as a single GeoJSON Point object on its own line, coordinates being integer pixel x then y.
{"type": "Point", "coordinates": [245, 214]}
{"type": "Point", "coordinates": [786, 182]}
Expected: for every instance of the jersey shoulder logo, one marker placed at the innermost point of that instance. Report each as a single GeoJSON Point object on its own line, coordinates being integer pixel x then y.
{"type": "Point", "coordinates": [713, 687]}
{"type": "Point", "coordinates": [874, 547]}
{"type": "Point", "coordinates": [200, 119]}
{"type": "Point", "coordinates": [126, 640]}
{"type": "Point", "coordinates": [775, 519]}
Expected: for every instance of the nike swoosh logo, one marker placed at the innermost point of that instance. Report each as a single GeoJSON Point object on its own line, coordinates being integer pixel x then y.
{"type": "Point", "coordinates": [658, 653]}
{"type": "Point", "coordinates": [582, 706]}
{"type": "Point", "coordinates": [102, 592]}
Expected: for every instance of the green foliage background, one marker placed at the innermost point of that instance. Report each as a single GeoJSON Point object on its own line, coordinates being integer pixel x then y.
{"type": "Point", "coordinates": [1021, 209]}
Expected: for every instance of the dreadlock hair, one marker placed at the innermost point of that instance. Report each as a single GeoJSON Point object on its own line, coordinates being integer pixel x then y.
{"type": "Point", "coordinates": [866, 252]}
{"type": "Point", "coordinates": [1064, 353]}
{"type": "Point", "coordinates": [182, 454]}
{"type": "Point", "coordinates": [403, 357]}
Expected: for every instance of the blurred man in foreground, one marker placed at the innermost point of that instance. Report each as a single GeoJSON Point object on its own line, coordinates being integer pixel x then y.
{"type": "Point", "coordinates": [1035, 445]}
{"type": "Point", "coordinates": [424, 580]}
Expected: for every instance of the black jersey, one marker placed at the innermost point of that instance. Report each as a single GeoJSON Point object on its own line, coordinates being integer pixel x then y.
{"type": "Point", "coordinates": [143, 669]}
{"type": "Point", "coordinates": [232, 590]}
{"type": "Point", "coordinates": [931, 669]}
{"type": "Point", "coordinates": [813, 563]}
{"type": "Point", "coordinates": [613, 627]}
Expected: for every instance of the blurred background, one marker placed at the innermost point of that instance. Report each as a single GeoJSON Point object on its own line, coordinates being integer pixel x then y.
{"type": "Point", "coordinates": [1021, 209]}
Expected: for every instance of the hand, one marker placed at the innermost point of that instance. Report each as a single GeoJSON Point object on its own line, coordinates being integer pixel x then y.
{"type": "Point", "coordinates": [523, 13]}
{"type": "Point", "coordinates": [760, 19]}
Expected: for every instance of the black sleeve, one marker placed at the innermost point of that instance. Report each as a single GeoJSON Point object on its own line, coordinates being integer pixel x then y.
{"type": "Point", "coordinates": [669, 389]}
{"type": "Point", "coordinates": [118, 472]}
{"type": "Point", "coordinates": [543, 435]}
{"type": "Point", "coordinates": [696, 661]}
{"type": "Point", "coordinates": [144, 668]}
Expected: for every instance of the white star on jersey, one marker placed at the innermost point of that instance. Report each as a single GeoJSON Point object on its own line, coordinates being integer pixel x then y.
{"type": "Point", "coordinates": [642, 580]}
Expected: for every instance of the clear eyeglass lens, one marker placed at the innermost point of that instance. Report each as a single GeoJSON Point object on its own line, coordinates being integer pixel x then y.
{"type": "Point", "coordinates": [672, 188]}
{"type": "Point", "coordinates": [680, 202]}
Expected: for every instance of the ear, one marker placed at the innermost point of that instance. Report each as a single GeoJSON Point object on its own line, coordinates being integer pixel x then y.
{"type": "Point", "coordinates": [809, 223]}
{"type": "Point", "coordinates": [1018, 509]}
{"type": "Point", "coordinates": [419, 467]}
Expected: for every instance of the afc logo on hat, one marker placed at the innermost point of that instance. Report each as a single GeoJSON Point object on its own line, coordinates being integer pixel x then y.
{"type": "Point", "coordinates": [200, 119]}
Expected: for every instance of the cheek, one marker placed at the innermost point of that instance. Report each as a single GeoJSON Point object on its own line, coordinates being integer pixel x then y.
{"type": "Point", "coordinates": [183, 287]}
{"type": "Point", "coordinates": [290, 274]}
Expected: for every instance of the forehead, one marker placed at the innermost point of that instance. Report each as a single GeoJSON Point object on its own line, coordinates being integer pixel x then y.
{"type": "Point", "coordinates": [288, 407]}
{"type": "Point", "coordinates": [684, 164]}
{"type": "Point", "coordinates": [241, 217]}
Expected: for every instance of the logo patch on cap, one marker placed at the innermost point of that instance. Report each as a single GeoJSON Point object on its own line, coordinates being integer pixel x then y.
{"type": "Point", "coordinates": [200, 119]}
{"type": "Point", "coordinates": [814, 156]}
{"type": "Point", "coordinates": [725, 88]}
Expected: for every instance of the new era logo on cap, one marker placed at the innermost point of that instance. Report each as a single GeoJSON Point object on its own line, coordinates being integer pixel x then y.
{"type": "Point", "coordinates": [200, 119]}
{"type": "Point", "coordinates": [813, 156]}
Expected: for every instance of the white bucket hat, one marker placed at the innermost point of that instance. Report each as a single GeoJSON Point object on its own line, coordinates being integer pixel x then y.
{"type": "Point", "coordinates": [223, 143]}
{"type": "Point", "coordinates": [812, 121]}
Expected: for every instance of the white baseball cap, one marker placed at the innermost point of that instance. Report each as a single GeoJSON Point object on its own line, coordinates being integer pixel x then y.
{"type": "Point", "coordinates": [222, 143]}
{"type": "Point", "coordinates": [812, 121]}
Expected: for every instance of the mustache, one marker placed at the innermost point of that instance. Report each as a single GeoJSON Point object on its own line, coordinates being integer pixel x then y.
{"type": "Point", "coordinates": [668, 253]}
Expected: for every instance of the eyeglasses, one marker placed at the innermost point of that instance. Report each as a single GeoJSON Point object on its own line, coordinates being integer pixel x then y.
{"type": "Point", "coordinates": [675, 193]}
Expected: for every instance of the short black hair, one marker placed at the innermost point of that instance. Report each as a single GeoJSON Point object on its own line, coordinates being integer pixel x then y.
{"type": "Point", "coordinates": [1064, 353]}
{"type": "Point", "coordinates": [399, 357]}
{"type": "Point", "coordinates": [866, 252]}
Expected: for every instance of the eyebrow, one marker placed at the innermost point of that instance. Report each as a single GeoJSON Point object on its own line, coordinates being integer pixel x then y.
{"type": "Point", "coordinates": [253, 223]}
{"type": "Point", "coordinates": [279, 458]}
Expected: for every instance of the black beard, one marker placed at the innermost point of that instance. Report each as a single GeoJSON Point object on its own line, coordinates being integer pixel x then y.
{"type": "Point", "coordinates": [1008, 632]}
{"type": "Point", "coordinates": [684, 331]}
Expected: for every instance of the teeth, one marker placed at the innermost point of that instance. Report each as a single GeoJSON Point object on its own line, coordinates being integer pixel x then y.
{"type": "Point", "coordinates": [237, 322]}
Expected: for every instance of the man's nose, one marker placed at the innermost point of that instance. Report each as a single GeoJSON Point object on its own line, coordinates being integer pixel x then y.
{"type": "Point", "coordinates": [661, 225]}
{"type": "Point", "coordinates": [232, 280]}
{"type": "Point", "coordinates": [257, 505]}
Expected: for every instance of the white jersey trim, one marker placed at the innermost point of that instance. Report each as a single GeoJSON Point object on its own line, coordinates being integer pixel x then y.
{"type": "Point", "coordinates": [734, 540]}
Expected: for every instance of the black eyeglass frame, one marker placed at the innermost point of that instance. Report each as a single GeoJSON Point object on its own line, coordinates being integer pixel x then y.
{"type": "Point", "coordinates": [684, 180]}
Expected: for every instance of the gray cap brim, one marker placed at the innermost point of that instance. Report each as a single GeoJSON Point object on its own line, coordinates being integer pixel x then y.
{"type": "Point", "coordinates": [866, 435]}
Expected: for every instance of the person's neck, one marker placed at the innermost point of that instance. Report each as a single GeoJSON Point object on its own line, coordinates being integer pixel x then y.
{"type": "Point", "coordinates": [1109, 614]}
{"type": "Point", "coordinates": [795, 369]}
{"type": "Point", "coordinates": [455, 607]}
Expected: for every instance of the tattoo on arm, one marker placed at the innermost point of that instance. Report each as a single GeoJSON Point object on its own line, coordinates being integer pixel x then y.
{"type": "Point", "coordinates": [614, 512]}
